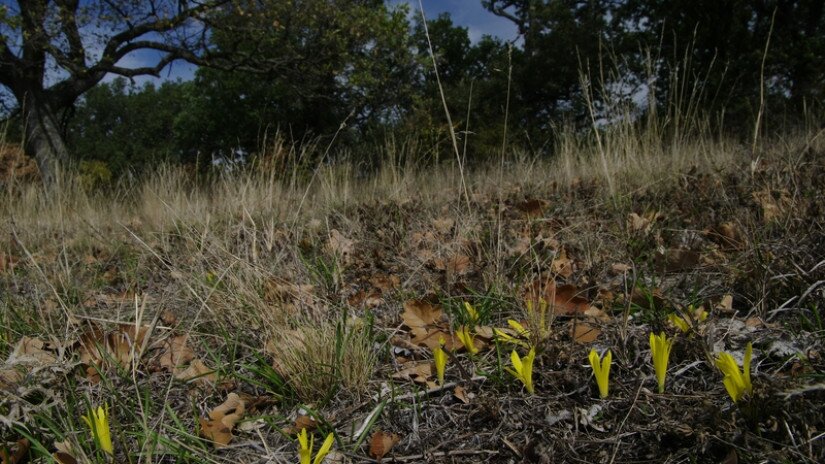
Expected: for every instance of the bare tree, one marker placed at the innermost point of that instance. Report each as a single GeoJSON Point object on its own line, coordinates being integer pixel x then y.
{"type": "Point", "coordinates": [52, 51]}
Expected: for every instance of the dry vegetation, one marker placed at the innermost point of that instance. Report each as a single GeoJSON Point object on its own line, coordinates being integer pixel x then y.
{"type": "Point", "coordinates": [313, 300]}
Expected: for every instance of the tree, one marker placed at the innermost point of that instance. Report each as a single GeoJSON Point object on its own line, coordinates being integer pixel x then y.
{"type": "Point", "coordinates": [54, 51]}
{"type": "Point", "coordinates": [119, 124]}
{"type": "Point", "coordinates": [561, 38]}
{"type": "Point", "coordinates": [722, 44]}
{"type": "Point", "coordinates": [710, 52]}
{"type": "Point", "coordinates": [350, 60]}
{"type": "Point", "coordinates": [463, 67]}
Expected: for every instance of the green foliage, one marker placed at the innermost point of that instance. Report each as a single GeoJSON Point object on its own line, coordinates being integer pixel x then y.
{"type": "Point", "coordinates": [471, 75]}
{"type": "Point", "coordinates": [720, 47]}
{"type": "Point", "coordinates": [94, 174]}
{"type": "Point", "coordinates": [331, 61]}
{"type": "Point", "coordinates": [302, 69]}
{"type": "Point", "coordinates": [561, 39]}
{"type": "Point", "coordinates": [127, 127]}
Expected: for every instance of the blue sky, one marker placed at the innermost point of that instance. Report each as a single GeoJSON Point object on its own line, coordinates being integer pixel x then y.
{"type": "Point", "coordinates": [466, 13]}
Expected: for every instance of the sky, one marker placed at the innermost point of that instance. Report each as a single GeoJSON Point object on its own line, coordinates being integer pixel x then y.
{"type": "Point", "coordinates": [465, 13]}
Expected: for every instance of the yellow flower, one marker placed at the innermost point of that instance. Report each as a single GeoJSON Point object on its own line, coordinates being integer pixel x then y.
{"type": "Point", "coordinates": [736, 383]}
{"type": "Point", "coordinates": [660, 347]}
{"type": "Point", "coordinates": [504, 337]}
{"type": "Point", "coordinates": [691, 317]}
{"type": "Point", "coordinates": [305, 445]}
{"type": "Point", "coordinates": [515, 325]}
{"type": "Point", "coordinates": [98, 422]}
{"type": "Point", "coordinates": [467, 339]}
{"type": "Point", "coordinates": [523, 368]}
{"type": "Point", "coordinates": [440, 358]}
{"type": "Point", "coordinates": [680, 322]}
{"type": "Point", "coordinates": [471, 312]}
{"type": "Point", "coordinates": [601, 371]}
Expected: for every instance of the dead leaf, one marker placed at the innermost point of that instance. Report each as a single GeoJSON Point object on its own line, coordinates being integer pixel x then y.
{"type": "Point", "coordinates": [278, 291]}
{"type": "Point", "coordinates": [532, 207]}
{"type": "Point", "coordinates": [120, 346]}
{"type": "Point", "coordinates": [461, 394]}
{"type": "Point", "coordinates": [302, 421]}
{"type": "Point", "coordinates": [372, 299]}
{"type": "Point", "coordinates": [169, 318]}
{"type": "Point", "coordinates": [63, 458]}
{"type": "Point", "coordinates": [340, 246]}
{"type": "Point", "coordinates": [731, 458]}
{"type": "Point", "coordinates": [597, 314]}
{"type": "Point", "coordinates": [562, 265]}
{"type": "Point", "coordinates": [754, 322]}
{"type": "Point", "coordinates": [33, 351]}
{"type": "Point", "coordinates": [381, 443]}
{"type": "Point", "coordinates": [520, 247]}
{"type": "Point", "coordinates": [775, 203]}
{"type": "Point", "coordinates": [444, 225]}
{"type": "Point", "coordinates": [566, 301]}
{"type": "Point", "coordinates": [419, 315]}
{"type": "Point", "coordinates": [21, 450]}
{"type": "Point", "coordinates": [7, 262]}
{"type": "Point", "coordinates": [456, 265]}
{"type": "Point", "coordinates": [197, 371]}
{"type": "Point", "coordinates": [676, 260]}
{"type": "Point", "coordinates": [729, 236]}
{"type": "Point", "coordinates": [385, 283]}
{"type": "Point", "coordinates": [417, 373]}
{"type": "Point", "coordinates": [584, 333]}
{"type": "Point", "coordinates": [638, 223]}
{"type": "Point", "coordinates": [621, 268]}
{"type": "Point", "coordinates": [177, 353]}
{"type": "Point", "coordinates": [29, 353]}
{"type": "Point", "coordinates": [431, 339]}
{"type": "Point", "coordinates": [648, 299]}
{"type": "Point", "coordinates": [10, 376]}
{"type": "Point", "coordinates": [725, 304]}
{"type": "Point", "coordinates": [218, 427]}
{"type": "Point", "coordinates": [64, 453]}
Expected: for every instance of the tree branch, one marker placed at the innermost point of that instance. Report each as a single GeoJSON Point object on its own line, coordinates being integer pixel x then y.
{"type": "Point", "coordinates": [114, 43]}
{"type": "Point", "coordinates": [501, 10]}
{"type": "Point", "coordinates": [67, 9]}
{"type": "Point", "coordinates": [9, 67]}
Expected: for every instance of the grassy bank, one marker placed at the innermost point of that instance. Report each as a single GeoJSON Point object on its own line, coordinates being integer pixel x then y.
{"type": "Point", "coordinates": [318, 296]}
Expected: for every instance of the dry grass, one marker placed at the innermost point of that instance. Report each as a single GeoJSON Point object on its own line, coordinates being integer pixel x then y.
{"type": "Point", "coordinates": [264, 267]}
{"type": "Point", "coordinates": [318, 359]}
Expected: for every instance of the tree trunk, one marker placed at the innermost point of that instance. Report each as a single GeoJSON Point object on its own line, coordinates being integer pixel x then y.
{"type": "Point", "coordinates": [43, 139]}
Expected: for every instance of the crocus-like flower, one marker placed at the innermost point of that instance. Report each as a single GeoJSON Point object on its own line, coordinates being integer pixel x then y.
{"type": "Point", "coordinates": [440, 358]}
{"type": "Point", "coordinates": [503, 336]}
{"type": "Point", "coordinates": [472, 314]}
{"type": "Point", "coordinates": [691, 318]}
{"type": "Point", "coordinates": [305, 445]}
{"type": "Point", "coordinates": [601, 370]}
{"type": "Point", "coordinates": [98, 422]}
{"type": "Point", "coordinates": [467, 339]}
{"type": "Point", "coordinates": [736, 383]}
{"type": "Point", "coordinates": [679, 322]}
{"type": "Point", "coordinates": [523, 368]}
{"type": "Point", "coordinates": [515, 325]}
{"type": "Point", "coordinates": [660, 346]}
